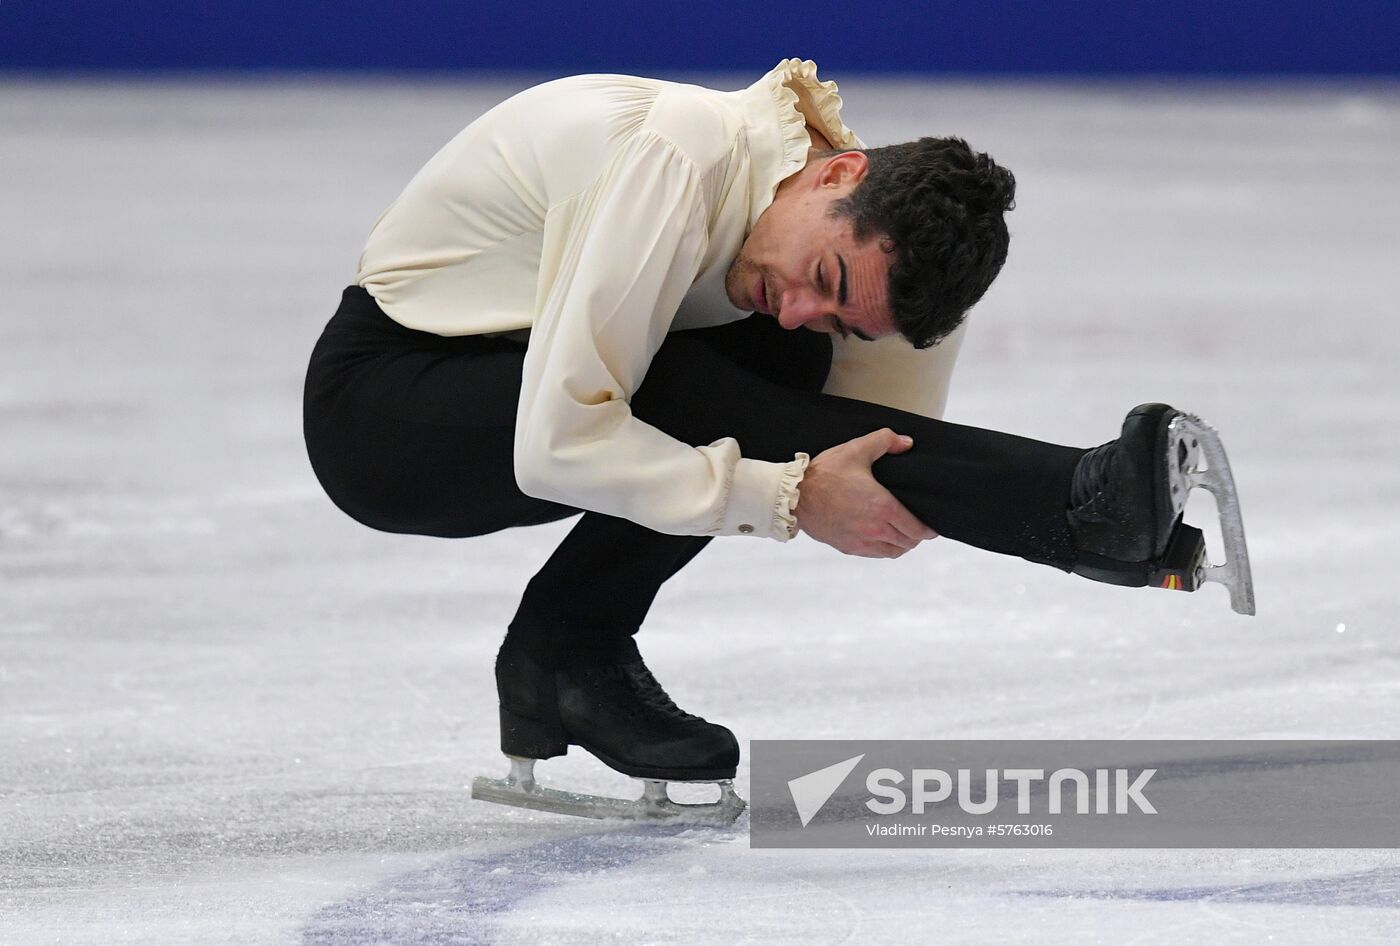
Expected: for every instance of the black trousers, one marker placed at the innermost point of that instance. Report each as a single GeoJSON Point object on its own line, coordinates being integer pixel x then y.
{"type": "Point", "coordinates": [412, 432]}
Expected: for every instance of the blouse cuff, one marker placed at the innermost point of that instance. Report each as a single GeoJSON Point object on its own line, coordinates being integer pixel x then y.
{"type": "Point", "coordinates": [762, 496]}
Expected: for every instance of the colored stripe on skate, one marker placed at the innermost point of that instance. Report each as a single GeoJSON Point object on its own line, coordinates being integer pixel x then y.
{"type": "Point", "coordinates": [1172, 583]}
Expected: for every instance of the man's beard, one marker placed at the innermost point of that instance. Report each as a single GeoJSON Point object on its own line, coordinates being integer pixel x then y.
{"type": "Point", "coordinates": [739, 279]}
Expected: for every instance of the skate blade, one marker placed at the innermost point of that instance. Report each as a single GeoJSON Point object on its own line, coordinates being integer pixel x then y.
{"type": "Point", "coordinates": [520, 790]}
{"type": "Point", "coordinates": [1191, 439]}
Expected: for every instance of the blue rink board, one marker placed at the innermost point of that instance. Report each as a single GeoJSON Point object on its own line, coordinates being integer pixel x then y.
{"type": "Point", "coordinates": [1204, 37]}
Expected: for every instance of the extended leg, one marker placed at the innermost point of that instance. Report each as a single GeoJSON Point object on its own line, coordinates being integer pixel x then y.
{"type": "Point", "coordinates": [993, 490]}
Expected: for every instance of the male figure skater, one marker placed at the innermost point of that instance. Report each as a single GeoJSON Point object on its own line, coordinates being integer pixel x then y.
{"type": "Point", "coordinates": [586, 301]}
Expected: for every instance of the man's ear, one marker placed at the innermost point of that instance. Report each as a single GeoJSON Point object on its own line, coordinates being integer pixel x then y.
{"type": "Point", "coordinates": [848, 167]}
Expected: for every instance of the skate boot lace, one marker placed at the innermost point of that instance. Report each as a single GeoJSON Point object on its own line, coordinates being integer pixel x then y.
{"type": "Point", "coordinates": [1094, 477]}
{"type": "Point", "coordinates": [649, 691]}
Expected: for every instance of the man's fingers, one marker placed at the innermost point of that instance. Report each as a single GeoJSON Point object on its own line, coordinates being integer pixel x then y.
{"type": "Point", "coordinates": [877, 443]}
{"type": "Point", "coordinates": [908, 525]}
{"type": "Point", "coordinates": [899, 525]}
{"type": "Point", "coordinates": [882, 541]}
{"type": "Point", "coordinates": [876, 550]}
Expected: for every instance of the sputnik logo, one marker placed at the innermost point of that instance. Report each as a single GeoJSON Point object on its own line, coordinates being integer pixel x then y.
{"type": "Point", "coordinates": [813, 790]}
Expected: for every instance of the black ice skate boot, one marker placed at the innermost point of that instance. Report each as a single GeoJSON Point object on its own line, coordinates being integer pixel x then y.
{"type": "Point", "coordinates": [1126, 504]}
{"type": "Point", "coordinates": [619, 713]}
{"type": "Point", "coordinates": [616, 711]}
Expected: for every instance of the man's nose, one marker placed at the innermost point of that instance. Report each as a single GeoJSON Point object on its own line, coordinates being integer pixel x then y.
{"type": "Point", "coordinates": [797, 309]}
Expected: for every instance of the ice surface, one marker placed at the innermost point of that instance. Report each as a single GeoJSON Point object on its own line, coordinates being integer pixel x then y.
{"type": "Point", "coordinates": [230, 714]}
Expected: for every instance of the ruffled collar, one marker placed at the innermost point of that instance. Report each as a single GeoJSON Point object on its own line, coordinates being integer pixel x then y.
{"type": "Point", "coordinates": [777, 110]}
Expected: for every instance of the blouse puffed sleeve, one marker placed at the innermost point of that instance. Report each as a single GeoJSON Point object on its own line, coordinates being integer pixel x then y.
{"type": "Point", "coordinates": [618, 259]}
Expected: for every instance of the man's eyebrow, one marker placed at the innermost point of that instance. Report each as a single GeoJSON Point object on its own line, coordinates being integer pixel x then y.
{"type": "Point", "coordinates": [841, 298]}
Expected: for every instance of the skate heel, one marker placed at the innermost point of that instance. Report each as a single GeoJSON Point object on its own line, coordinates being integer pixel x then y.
{"type": "Point", "coordinates": [529, 702]}
{"type": "Point", "coordinates": [526, 738]}
{"type": "Point", "coordinates": [1182, 566]}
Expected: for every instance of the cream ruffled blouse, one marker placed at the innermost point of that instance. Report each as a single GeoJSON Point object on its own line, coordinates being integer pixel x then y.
{"type": "Point", "coordinates": [600, 213]}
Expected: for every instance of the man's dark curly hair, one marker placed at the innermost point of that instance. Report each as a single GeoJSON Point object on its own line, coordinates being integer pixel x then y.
{"type": "Point", "coordinates": [937, 206]}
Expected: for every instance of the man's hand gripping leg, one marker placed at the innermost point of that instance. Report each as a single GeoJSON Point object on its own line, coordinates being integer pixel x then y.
{"type": "Point", "coordinates": [843, 506]}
